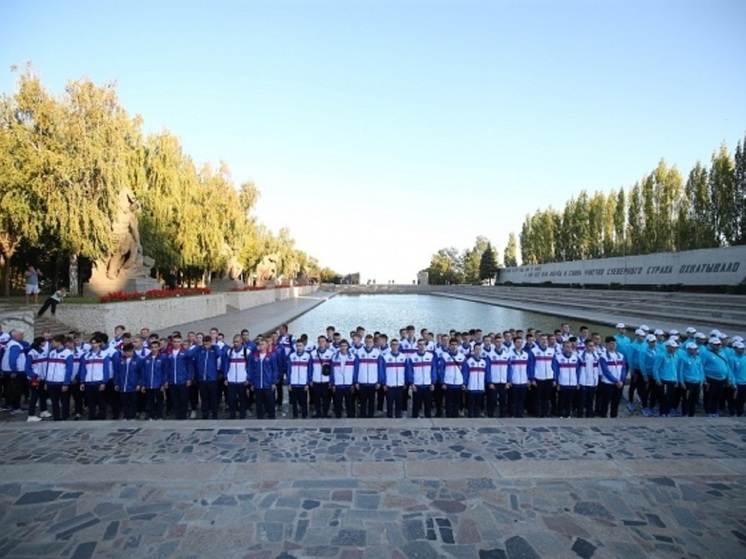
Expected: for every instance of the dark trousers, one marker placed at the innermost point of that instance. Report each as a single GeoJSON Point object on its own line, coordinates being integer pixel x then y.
{"type": "Point", "coordinates": [452, 401]}
{"type": "Point", "coordinates": [154, 403]}
{"type": "Point", "coordinates": [321, 399]}
{"type": "Point", "coordinates": [208, 395]}
{"type": "Point", "coordinates": [129, 404]}
{"type": "Point", "coordinates": [180, 398]}
{"type": "Point", "coordinates": [95, 395]}
{"type": "Point", "coordinates": [565, 398]}
{"type": "Point", "coordinates": [474, 403]}
{"type": "Point", "coordinates": [59, 400]}
{"type": "Point", "coordinates": [713, 393]}
{"type": "Point", "coordinates": [518, 399]}
{"type": "Point", "coordinates": [237, 397]}
{"type": "Point", "coordinates": [78, 396]}
{"type": "Point", "coordinates": [265, 403]}
{"type": "Point", "coordinates": [740, 399]}
{"type": "Point", "coordinates": [588, 395]}
{"type": "Point", "coordinates": [48, 303]}
{"type": "Point", "coordinates": [438, 397]}
{"type": "Point", "coordinates": [381, 398]}
{"type": "Point", "coordinates": [343, 396]}
{"type": "Point", "coordinates": [33, 398]}
{"type": "Point", "coordinates": [299, 401]}
{"type": "Point", "coordinates": [691, 398]}
{"type": "Point", "coordinates": [729, 395]}
{"type": "Point", "coordinates": [497, 400]}
{"type": "Point", "coordinates": [112, 400]}
{"type": "Point", "coordinates": [637, 383]}
{"type": "Point", "coordinates": [279, 393]}
{"type": "Point", "coordinates": [16, 386]}
{"type": "Point", "coordinates": [194, 395]}
{"type": "Point", "coordinates": [543, 397]}
{"type": "Point", "coordinates": [667, 390]}
{"type": "Point", "coordinates": [394, 401]}
{"type": "Point", "coordinates": [609, 397]}
{"type": "Point", "coordinates": [422, 398]}
{"type": "Point", "coordinates": [653, 392]}
{"type": "Point", "coordinates": [367, 395]}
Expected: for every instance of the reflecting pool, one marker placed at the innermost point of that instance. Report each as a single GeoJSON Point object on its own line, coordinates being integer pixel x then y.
{"type": "Point", "coordinates": [389, 313]}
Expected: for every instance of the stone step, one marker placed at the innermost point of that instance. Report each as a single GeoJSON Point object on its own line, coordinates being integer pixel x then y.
{"type": "Point", "coordinates": [54, 325]}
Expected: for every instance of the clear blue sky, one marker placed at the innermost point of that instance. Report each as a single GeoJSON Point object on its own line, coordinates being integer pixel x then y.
{"type": "Point", "coordinates": [379, 132]}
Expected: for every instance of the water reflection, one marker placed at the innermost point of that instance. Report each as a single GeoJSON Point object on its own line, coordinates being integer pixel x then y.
{"type": "Point", "coordinates": [388, 313]}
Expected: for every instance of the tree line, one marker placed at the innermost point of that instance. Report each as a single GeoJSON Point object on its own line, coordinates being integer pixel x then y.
{"type": "Point", "coordinates": [66, 158]}
{"type": "Point", "coordinates": [663, 212]}
{"type": "Point", "coordinates": [660, 213]}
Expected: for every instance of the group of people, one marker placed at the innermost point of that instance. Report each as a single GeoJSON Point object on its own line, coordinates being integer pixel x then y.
{"type": "Point", "coordinates": [472, 374]}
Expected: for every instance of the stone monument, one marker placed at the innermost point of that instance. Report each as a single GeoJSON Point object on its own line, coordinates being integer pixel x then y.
{"type": "Point", "coordinates": [230, 276]}
{"type": "Point", "coordinates": [266, 270]}
{"type": "Point", "coordinates": [127, 268]}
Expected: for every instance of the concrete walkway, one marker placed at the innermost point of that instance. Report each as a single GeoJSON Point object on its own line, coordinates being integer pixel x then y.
{"type": "Point", "coordinates": [624, 488]}
{"type": "Point", "coordinates": [258, 320]}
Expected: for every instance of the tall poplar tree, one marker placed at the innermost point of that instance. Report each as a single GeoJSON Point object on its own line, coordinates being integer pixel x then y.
{"type": "Point", "coordinates": [722, 181]}
{"type": "Point", "coordinates": [511, 252]}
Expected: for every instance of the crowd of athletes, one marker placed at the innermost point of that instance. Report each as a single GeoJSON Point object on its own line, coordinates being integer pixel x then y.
{"type": "Point", "coordinates": [513, 373]}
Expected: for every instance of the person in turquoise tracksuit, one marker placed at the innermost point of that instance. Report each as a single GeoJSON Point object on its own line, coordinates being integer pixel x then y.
{"type": "Point", "coordinates": [632, 353]}
{"type": "Point", "coordinates": [715, 365]}
{"type": "Point", "coordinates": [647, 363]}
{"type": "Point", "coordinates": [691, 375]}
{"type": "Point", "coordinates": [666, 376]}
{"type": "Point", "coordinates": [738, 375]}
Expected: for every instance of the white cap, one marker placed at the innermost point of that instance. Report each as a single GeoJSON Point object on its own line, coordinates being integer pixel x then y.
{"type": "Point", "coordinates": [715, 340]}
{"type": "Point", "coordinates": [645, 327]}
{"type": "Point", "coordinates": [621, 326]}
{"type": "Point", "coordinates": [674, 337]}
{"type": "Point", "coordinates": [659, 332]}
{"type": "Point", "coordinates": [737, 339]}
{"type": "Point", "coordinates": [739, 345]}
{"type": "Point", "coordinates": [672, 343]}
{"type": "Point", "coordinates": [650, 338]}
{"type": "Point", "coordinates": [700, 336]}
{"type": "Point", "coordinates": [691, 345]}
{"type": "Point", "coordinates": [714, 332]}
{"type": "Point", "coordinates": [691, 330]}
{"type": "Point", "coordinates": [722, 335]}
{"type": "Point", "coordinates": [673, 332]}
{"type": "Point", "coordinates": [639, 332]}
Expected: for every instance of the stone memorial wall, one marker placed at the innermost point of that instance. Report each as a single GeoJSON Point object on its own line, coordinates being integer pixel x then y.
{"type": "Point", "coordinates": [717, 266]}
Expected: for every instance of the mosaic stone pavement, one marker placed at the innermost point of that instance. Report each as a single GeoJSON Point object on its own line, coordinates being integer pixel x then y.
{"type": "Point", "coordinates": [513, 489]}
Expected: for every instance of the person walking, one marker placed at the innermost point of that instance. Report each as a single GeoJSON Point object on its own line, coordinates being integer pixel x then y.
{"type": "Point", "coordinates": [52, 301]}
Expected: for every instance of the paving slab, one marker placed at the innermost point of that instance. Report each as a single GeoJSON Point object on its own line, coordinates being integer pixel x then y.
{"type": "Point", "coordinates": [374, 488]}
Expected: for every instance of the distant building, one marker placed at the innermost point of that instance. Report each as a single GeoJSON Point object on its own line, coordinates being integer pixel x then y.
{"type": "Point", "coordinates": [422, 278]}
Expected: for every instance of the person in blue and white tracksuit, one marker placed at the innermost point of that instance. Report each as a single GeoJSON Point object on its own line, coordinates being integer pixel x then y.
{"type": "Point", "coordinates": [236, 377]}
{"type": "Point", "coordinates": [451, 378]}
{"type": "Point", "coordinates": [423, 376]}
{"type": "Point", "coordinates": [520, 375]}
{"type": "Point", "coordinates": [179, 376]}
{"type": "Point", "coordinates": [589, 373]}
{"type": "Point", "coordinates": [666, 375]}
{"type": "Point", "coordinates": [394, 376]}
{"type": "Point", "coordinates": [14, 368]}
{"type": "Point", "coordinates": [299, 374]}
{"type": "Point", "coordinates": [543, 382]}
{"type": "Point", "coordinates": [565, 366]}
{"type": "Point", "coordinates": [737, 364]}
{"type": "Point", "coordinates": [368, 376]}
{"type": "Point", "coordinates": [59, 373]}
{"type": "Point", "coordinates": [263, 375]}
{"type": "Point", "coordinates": [690, 376]}
{"type": "Point", "coordinates": [95, 372]}
{"type": "Point", "coordinates": [153, 380]}
{"type": "Point", "coordinates": [497, 380]}
{"type": "Point", "coordinates": [207, 362]}
{"type": "Point", "coordinates": [475, 370]}
{"type": "Point", "coordinates": [321, 394]}
{"type": "Point", "coordinates": [613, 374]}
{"type": "Point", "coordinates": [127, 379]}
{"type": "Point", "coordinates": [343, 380]}
{"type": "Point", "coordinates": [36, 370]}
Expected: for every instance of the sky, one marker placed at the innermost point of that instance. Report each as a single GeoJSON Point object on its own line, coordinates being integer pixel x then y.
{"type": "Point", "coordinates": [381, 131]}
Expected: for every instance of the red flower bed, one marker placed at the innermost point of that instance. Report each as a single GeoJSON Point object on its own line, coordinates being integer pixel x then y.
{"type": "Point", "coordinates": [118, 296]}
{"type": "Point", "coordinates": [249, 288]}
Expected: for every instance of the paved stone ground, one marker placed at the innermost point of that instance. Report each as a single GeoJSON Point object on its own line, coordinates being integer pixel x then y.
{"type": "Point", "coordinates": [511, 489]}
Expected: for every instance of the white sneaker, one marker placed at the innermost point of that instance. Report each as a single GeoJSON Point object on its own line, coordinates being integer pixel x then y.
{"type": "Point", "coordinates": [45, 414]}
{"type": "Point", "coordinates": [33, 418]}
{"type": "Point", "coordinates": [193, 415]}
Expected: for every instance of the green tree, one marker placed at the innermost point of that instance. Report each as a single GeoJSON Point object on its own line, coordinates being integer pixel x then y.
{"type": "Point", "coordinates": [511, 251]}
{"type": "Point", "coordinates": [620, 223]}
{"type": "Point", "coordinates": [635, 222]}
{"type": "Point", "coordinates": [740, 191]}
{"type": "Point", "coordinates": [471, 260]}
{"type": "Point", "coordinates": [528, 252]}
{"type": "Point", "coordinates": [722, 180]}
{"type": "Point", "coordinates": [446, 267]}
{"type": "Point", "coordinates": [596, 229]}
{"type": "Point", "coordinates": [488, 267]}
